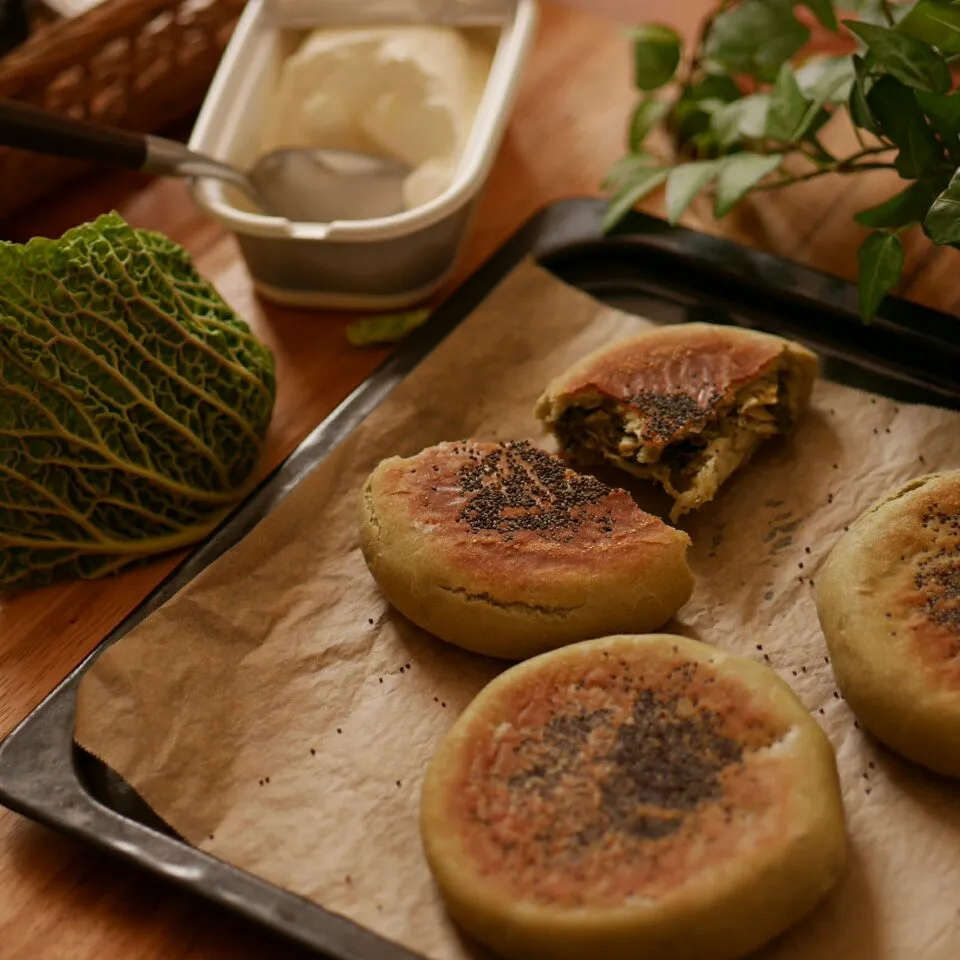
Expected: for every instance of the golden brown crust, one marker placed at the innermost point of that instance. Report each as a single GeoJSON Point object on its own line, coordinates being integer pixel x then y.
{"type": "Point", "coordinates": [633, 797]}
{"type": "Point", "coordinates": [674, 375]}
{"type": "Point", "coordinates": [502, 549]}
{"type": "Point", "coordinates": [889, 604]}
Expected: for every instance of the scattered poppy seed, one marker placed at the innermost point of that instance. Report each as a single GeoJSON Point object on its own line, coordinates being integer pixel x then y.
{"type": "Point", "coordinates": [820, 710]}
{"type": "Point", "coordinates": [398, 783]}
{"type": "Point", "coordinates": [867, 791]}
{"type": "Point", "coordinates": [339, 730]}
{"type": "Point", "coordinates": [806, 549]}
{"type": "Point", "coordinates": [369, 619]}
{"type": "Point", "coordinates": [266, 779]}
{"type": "Point", "coordinates": [443, 705]}
{"type": "Point", "coordinates": [380, 679]}
{"type": "Point", "coordinates": [800, 565]}
{"type": "Point", "coordinates": [759, 646]}
{"type": "Point", "coordinates": [313, 752]}
{"type": "Point", "coordinates": [803, 669]}
{"type": "Point", "coordinates": [401, 669]}
{"type": "Point", "coordinates": [872, 765]}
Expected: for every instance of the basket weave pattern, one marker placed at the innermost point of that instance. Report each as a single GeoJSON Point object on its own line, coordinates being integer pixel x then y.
{"type": "Point", "coordinates": [138, 64]}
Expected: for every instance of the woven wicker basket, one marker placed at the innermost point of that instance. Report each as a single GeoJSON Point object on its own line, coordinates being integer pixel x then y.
{"type": "Point", "coordinates": [139, 64]}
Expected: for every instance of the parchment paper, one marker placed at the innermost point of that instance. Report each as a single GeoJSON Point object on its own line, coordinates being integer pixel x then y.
{"type": "Point", "coordinates": [279, 715]}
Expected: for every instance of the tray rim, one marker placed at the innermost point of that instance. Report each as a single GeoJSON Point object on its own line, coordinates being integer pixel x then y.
{"type": "Point", "coordinates": [38, 777]}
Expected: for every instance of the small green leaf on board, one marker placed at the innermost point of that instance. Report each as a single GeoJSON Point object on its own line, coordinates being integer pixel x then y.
{"type": "Point", "coordinates": [385, 328]}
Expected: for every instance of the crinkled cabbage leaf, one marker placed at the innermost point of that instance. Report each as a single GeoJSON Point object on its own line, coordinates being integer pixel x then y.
{"type": "Point", "coordinates": [133, 402]}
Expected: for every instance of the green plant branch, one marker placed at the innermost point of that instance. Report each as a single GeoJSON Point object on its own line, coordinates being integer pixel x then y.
{"type": "Point", "coordinates": [843, 168]}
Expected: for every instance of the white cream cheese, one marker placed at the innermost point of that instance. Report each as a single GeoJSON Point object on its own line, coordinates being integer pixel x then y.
{"type": "Point", "coordinates": [409, 92]}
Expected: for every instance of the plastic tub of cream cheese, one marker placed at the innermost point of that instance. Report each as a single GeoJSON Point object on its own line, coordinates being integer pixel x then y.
{"type": "Point", "coordinates": [437, 97]}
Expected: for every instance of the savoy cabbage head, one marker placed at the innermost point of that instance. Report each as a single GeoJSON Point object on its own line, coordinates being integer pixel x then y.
{"type": "Point", "coordinates": [133, 402]}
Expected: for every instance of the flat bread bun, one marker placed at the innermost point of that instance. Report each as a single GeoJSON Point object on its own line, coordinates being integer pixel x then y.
{"type": "Point", "coordinates": [501, 549]}
{"type": "Point", "coordinates": [888, 598]}
{"type": "Point", "coordinates": [633, 798]}
{"type": "Point", "coordinates": [683, 405]}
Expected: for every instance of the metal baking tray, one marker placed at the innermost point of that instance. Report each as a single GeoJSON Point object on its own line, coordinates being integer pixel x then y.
{"type": "Point", "coordinates": [668, 274]}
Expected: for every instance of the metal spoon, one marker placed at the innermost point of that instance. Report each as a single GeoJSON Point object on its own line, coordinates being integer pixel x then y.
{"type": "Point", "coordinates": [303, 185]}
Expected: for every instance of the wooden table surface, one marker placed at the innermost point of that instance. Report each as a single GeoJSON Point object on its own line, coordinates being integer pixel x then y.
{"type": "Point", "coordinates": [61, 899]}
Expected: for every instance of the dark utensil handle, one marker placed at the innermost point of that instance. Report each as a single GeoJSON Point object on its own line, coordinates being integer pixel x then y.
{"type": "Point", "coordinates": [32, 128]}
{"type": "Point", "coordinates": [14, 27]}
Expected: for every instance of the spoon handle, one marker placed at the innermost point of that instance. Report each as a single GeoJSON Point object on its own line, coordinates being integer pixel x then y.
{"type": "Point", "coordinates": [33, 128]}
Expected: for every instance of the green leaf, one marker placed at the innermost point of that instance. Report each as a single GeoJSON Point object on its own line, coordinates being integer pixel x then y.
{"type": "Point", "coordinates": [714, 86]}
{"type": "Point", "coordinates": [942, 223]}
{"type": "Point", "coordinates": [745, 118]}
{"type": "Point", "coordinates": [909, 60]}
{"type": "Point", "coordinates": [648, 114]}
{"type": "Point", "coordinates": [691, 114]}
{"type": "Point", "coordinates": [943, 112]}
{"type": "Point", "coordinates": [738, 173]}
{"type": "Point", "coordinates": [685, 182]}
{"type": "Point", "coordinates": [626, 168]}
{"type": "Point", "coordinates": [823, 11]}
{"type": "Point", "coordinates": [902, 121]}
{"type": "Point", "coordinates": [859, 109]}
{"type": "Point", "coordinates": [934, 22]}
{"type": "Point", "coordinates": [134, 403]}
{"type": "Point", "coordinates": [881, 262]}
{"type": "Point", "coordinates": [386, 327]}
{"type": "Point", "coordinates": [644, 182]}
{"type": "Point", "coordinates": [656, 55]}
{"type": "Point", "coordinates": [821, 155]}
{"type": "Point", "coordinates": [788, 107]}
{"type": "Point", "coordinates": [826, 79]}
{"type": "Point", "coordinates": [904, 209]}
{"type": "Point", "coordinates": [756, 37]}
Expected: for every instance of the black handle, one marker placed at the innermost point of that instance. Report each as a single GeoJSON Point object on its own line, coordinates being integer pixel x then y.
{"type": "Point", "coordinates": [14, 27]}
{"type": "Point", "coordinates": [32, 128]}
